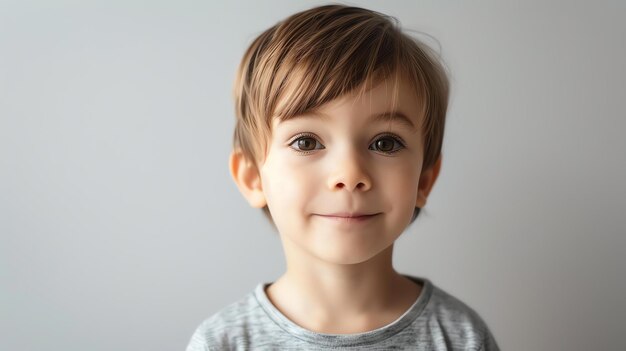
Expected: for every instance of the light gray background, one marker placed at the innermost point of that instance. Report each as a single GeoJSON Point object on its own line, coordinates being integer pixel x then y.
{"type": "Point", "coordinates": [122, 230]}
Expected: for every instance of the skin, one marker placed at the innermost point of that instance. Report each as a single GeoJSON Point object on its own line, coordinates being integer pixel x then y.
{"type": "Point", "coordinates": [340, 277]}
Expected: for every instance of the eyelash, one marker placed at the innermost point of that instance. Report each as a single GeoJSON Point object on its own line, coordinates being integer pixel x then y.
{"type": "Point", "coordinates": [312, 136]}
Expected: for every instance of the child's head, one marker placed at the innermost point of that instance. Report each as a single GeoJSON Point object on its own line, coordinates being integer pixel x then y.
{"type": "Point", "coordinates": [333, 60]}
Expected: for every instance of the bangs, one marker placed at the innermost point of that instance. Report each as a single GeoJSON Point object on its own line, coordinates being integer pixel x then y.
{"type": "Point", "coordinates": [323, 61]}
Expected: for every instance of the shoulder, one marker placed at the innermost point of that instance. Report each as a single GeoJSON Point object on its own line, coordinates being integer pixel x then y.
{"type": "Point", "coordinates": [452, 309]}
{"type": "Point", "coordinates": [457, 322]}
{"type": "Point", "coordinates": [222, 329]}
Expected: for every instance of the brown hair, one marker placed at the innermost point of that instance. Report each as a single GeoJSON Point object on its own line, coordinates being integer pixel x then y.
{"type": "Point", "coordinates": [320, 54]}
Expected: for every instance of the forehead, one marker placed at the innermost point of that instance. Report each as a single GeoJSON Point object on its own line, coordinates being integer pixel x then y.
{"type": "Point", "coordinates": [387, 101]}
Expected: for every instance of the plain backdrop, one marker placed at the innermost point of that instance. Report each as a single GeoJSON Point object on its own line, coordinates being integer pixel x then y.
{"type": "Point", "coordinates": [121, 229]}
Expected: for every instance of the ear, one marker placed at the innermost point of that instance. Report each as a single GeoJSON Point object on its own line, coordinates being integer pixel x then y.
{"type": "Point", "coordinates": [427, 180]}
{"type": "Point", "coordinates": [247, 178]}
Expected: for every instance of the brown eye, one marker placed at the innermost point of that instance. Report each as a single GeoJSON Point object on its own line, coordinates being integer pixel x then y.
{"type": "Point", "coordinates": [387, 144]}
{"type": "Point", "coordinates": [305, 143]}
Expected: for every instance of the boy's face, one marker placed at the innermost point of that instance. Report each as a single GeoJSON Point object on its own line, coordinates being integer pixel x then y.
{"type": "Point", "coordinates": [340, 161]}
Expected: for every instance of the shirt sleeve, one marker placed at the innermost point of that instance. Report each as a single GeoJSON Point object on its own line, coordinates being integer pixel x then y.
{"type": "Point", "coordinates": [198, 341]}
{"type": "Point", "coordinates": [489, 343]}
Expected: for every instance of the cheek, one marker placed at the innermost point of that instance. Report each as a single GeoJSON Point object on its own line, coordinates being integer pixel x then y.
{"type": "Point", "coordinates": [288, 187]}
{"type": "Point", "coordinates": [402, 186]}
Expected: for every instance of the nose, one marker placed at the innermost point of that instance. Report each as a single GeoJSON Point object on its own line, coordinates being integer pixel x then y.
{"type": "Point", "coordinates": [350, 174]}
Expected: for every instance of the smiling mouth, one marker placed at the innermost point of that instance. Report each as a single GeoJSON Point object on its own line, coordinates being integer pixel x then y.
{"type": "Point", "coordinates": [350, 219]}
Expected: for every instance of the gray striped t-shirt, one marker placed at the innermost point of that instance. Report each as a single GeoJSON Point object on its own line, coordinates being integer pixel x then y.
{"type": "Point", "coordinates": [436, 321]}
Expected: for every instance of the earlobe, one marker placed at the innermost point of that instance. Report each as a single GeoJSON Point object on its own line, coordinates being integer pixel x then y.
{"type": "Point", "coordinates": [247, 179]}
{"type": "Point", "coordinates": [426, 182]}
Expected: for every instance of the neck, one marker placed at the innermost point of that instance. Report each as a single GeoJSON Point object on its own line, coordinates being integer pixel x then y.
{"type": "Point", "coordinates": [331, 298]}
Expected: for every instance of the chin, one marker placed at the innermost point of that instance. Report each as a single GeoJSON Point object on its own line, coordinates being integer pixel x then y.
{"type": "Point", "coordinates": [348, 258]}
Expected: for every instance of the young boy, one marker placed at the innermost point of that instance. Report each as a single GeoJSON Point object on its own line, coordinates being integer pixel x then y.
{"type": "Point", "coordinates": [340, 120]}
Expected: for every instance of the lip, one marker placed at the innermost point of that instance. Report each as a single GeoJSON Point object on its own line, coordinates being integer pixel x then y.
{"type": "Point", "coordinates": [348, 214]}
{"type": "Point", "coordinates": [349, 218]}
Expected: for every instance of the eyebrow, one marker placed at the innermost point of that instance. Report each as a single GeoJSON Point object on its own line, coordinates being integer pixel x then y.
{"type": "Point", "coordinates": [397, 116]}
